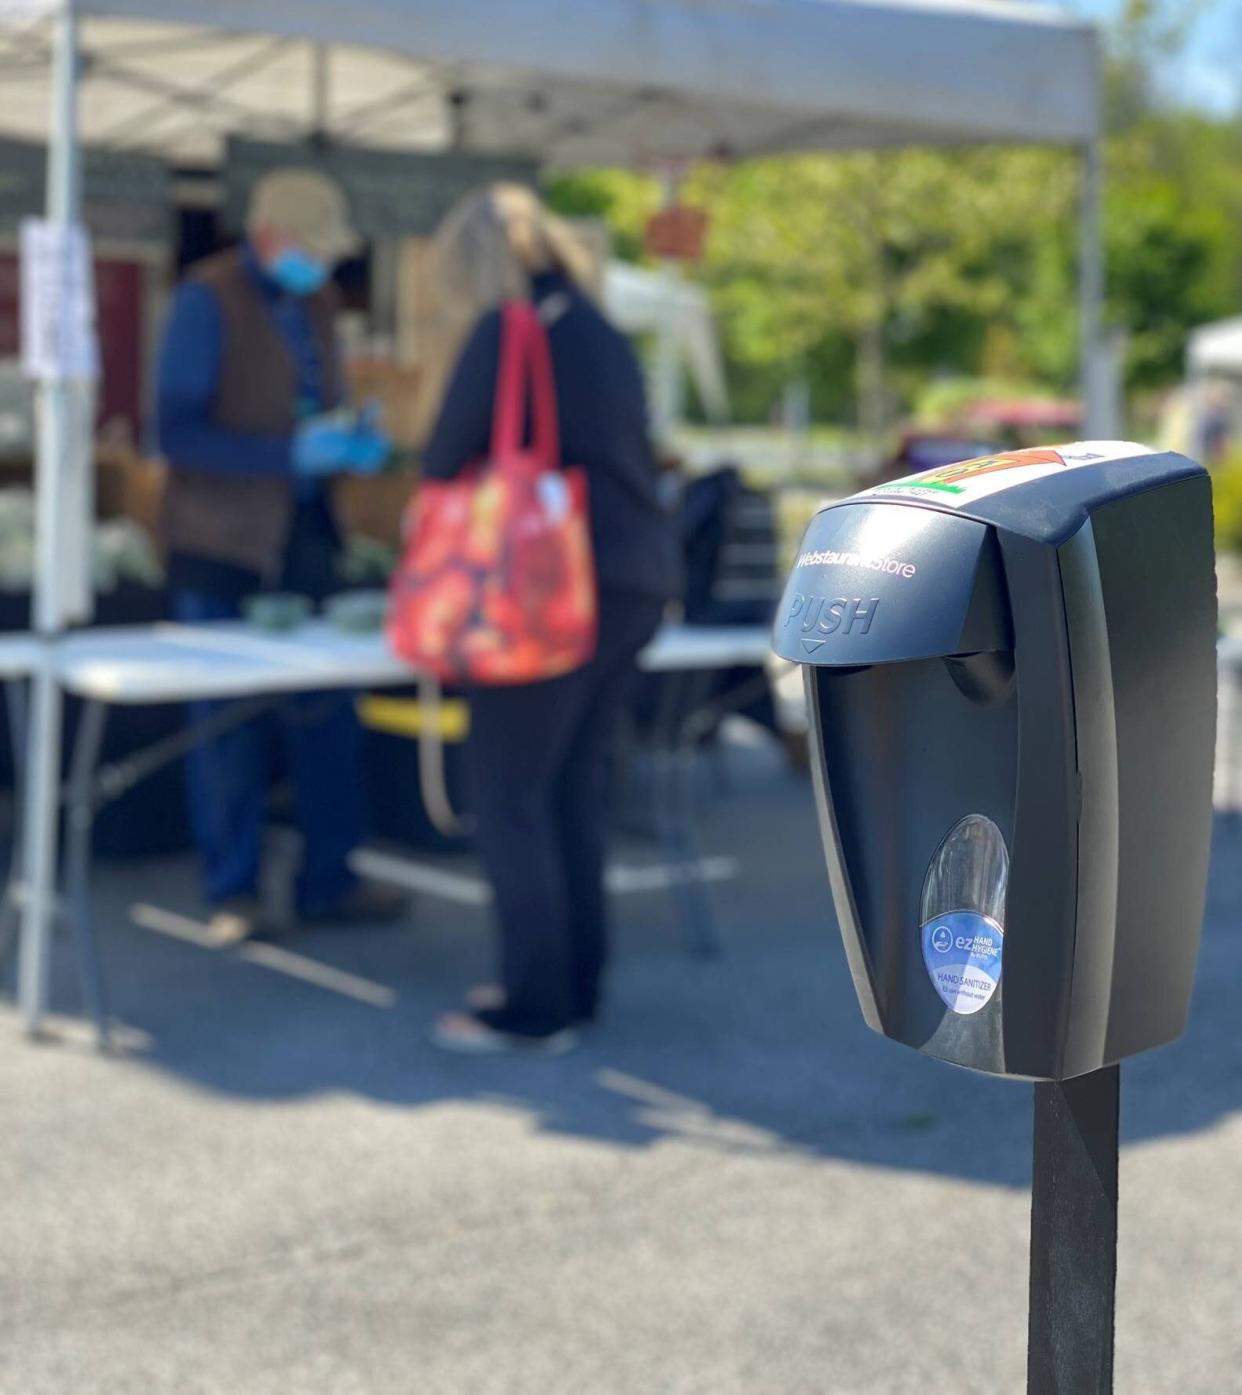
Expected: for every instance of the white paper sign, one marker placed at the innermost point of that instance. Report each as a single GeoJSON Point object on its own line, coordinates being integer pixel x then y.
{"type": "Point", "coordinates": [58, 303]}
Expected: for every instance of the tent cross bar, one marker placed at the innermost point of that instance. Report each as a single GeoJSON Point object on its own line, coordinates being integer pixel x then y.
{"type": "Point", "coordinates": [208, 90]}
{"type": "Point", "coordinates": [201, 102]}
{"type": "Point", "coordinates": [354, 120]}
{"type": "Point", "coordinates": [196, 36]}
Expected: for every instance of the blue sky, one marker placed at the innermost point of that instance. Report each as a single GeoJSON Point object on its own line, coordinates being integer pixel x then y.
{"type": "Point", "coordinates": [1209, 73]}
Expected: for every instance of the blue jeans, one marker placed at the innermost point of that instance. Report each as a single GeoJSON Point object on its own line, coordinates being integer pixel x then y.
{"type": "Point", "coordinates": [227, 778]}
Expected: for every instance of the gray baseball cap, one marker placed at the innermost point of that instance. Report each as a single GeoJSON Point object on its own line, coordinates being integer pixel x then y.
{"type": "Point", "coordinates": [307, 206]}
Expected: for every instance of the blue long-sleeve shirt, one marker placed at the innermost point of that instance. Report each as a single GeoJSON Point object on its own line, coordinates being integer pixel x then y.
{"type": "Point", "coordinates": [189, 378]}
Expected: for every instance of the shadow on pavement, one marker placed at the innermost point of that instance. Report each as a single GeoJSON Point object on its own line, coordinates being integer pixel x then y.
{"type": "Point", "coordinates": [762, 1050]}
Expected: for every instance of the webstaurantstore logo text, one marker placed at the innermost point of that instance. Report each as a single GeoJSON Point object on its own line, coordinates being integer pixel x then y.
{"type": "Point", "coordinates": [889, 565]}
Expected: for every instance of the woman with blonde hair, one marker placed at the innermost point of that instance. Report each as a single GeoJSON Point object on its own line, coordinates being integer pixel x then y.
{"type": "Point", "coordinates": [538, 752]}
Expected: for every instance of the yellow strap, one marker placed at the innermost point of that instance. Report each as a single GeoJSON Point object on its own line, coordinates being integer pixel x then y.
{"type": "Point", "coordinates": [400, 716]}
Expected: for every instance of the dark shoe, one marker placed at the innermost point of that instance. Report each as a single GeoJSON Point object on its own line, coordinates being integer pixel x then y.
{"type": "Point", "coordinates": [237, 919]}
{"type": "Point", "coordinates": [367, 903]}
{"type": "Point", "coordinates": [490, 997]}
{"type": "Point", "coordinates": [467, 1035]}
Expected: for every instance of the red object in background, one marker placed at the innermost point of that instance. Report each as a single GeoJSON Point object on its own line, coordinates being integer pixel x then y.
{"type": "Point", "coordinates": [10, 307]}
{"type": "Point", "coordinates": [677, 232]}
{"type": "Point", "coordinates": [1032, 413]}
{"type": "Point", "coordinates": [120, 288]}
{"type": "Point", "coordinates": [497, 584]}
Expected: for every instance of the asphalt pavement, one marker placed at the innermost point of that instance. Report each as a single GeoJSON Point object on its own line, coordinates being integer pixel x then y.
{"type": "Point", "coordinates": [733, 1188]}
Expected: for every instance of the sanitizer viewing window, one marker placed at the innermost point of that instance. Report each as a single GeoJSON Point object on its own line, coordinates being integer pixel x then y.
{"type": "Point", "coordinates": [970, 871]}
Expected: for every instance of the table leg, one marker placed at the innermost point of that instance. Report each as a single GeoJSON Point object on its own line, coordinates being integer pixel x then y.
{"type": "Point", "coordinates": [674, 810]}
{"type": "Point", "coordinates": [17, 714]}
{"type": "Point", "coordinates": [89, 788]}
{"type": "Point", "coordinates": [80, 821]}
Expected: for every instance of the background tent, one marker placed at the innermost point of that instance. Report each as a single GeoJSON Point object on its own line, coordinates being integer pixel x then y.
{"type": "Point", "coordinates": [678, 314]}
{"type": "Point", "coordinates": [1216, 348]}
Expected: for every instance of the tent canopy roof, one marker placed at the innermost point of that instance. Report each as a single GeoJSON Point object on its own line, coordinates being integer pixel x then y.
{"type": "Point", "coordinates": [630, 82]}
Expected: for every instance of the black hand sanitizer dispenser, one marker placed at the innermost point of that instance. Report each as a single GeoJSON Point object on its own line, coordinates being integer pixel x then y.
{"type": "Point", "coordinates": [1010, 665]}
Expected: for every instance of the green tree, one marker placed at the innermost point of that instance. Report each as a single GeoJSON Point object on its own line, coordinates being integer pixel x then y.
{"type": "Point", "coordinates": [908, 256]}
{"type": "Point", "coordinates": [622, 200]}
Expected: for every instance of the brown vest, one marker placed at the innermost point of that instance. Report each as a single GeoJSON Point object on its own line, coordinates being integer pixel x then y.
{"type": "Point", "coordinates": [244, 519]}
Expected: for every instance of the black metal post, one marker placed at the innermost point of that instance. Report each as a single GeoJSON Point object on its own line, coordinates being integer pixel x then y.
{"type": "Point", "coordinates": [1074, 1236]}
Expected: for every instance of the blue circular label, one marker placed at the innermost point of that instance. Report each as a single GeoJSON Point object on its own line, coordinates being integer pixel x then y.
{"type": "Point", "coordinates": [962, 951]}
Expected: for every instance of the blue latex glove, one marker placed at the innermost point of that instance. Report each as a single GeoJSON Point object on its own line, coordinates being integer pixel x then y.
{"type": "Point", "coordinates": [330, 445]}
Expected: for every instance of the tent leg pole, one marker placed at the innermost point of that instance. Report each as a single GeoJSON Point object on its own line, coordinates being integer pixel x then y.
{"type": "Point", "coordinates": [666, 394]}
{"type": "Point", "coordinates": [321, 91]}
{"type": "Point", "coordinates": [55, 448]}
{"type": "Point", "coordinates": [41, 819]}
{"type": "Point", "coordinates": [1091, 367]}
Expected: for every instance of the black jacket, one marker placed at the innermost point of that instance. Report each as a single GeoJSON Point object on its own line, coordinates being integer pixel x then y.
{"type": "Point", "coordinates": [602, 411]}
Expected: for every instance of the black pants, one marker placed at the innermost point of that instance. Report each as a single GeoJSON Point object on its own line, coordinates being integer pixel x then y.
{"type": "Point", "coordinates": [538, 758]}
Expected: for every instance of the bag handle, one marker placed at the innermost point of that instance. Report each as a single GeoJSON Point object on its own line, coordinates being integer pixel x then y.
{"type": "Point", "coordinates": [546, 431]}
{"type": "Point", "coordinates": [509, 406]}
{"type": "Point", "coordinates": [525, 374]}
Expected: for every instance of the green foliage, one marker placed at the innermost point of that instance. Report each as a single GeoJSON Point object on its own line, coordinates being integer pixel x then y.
{"type": "Point", "coordinates": [863, 272]}
{"type": "Point", "coordinates": [624, 201]}
{"type": "Point", "coordinates": [1173, 201]}
{"type": "Point", "coordinates": [1227, 503]}
{"type": "Point", "coordinates": [871, 275]}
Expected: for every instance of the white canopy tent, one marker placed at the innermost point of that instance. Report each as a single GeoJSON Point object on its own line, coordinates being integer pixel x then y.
{"type": "Point", "coordinates": [1212, 397]}
{"type": "Point", "coordinates": [634, 82]}
{"type": "Point", "coordinates": [611, 82]}
{"type": "Point", "coordinates": [677, 311]}
{"type": "Point", "coordinates": [1215, 349]}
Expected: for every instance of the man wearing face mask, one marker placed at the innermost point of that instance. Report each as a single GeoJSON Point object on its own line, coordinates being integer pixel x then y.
{"type": "Point", "coordinates": [248, 379]}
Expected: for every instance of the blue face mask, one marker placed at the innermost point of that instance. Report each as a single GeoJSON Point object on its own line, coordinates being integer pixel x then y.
{"type": "Point", "coordinates": [297, 272]}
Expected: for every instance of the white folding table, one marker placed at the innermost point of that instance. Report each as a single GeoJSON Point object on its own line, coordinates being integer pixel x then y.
{"type": "Point", "coordinates": [227, 658]}
{"type": "Point", "coordinates": [174, 663]}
